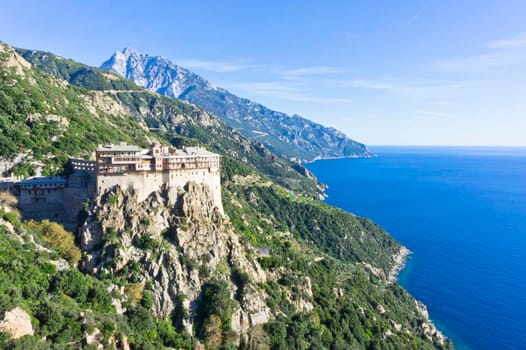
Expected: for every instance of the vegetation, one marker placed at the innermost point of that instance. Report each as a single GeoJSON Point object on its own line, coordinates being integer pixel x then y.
{"type": "Point", "coordinates": [333, 230]}
{"type": "Point", "coordinates": [327, 286]}
{"type": "Point", "coordinates": [65, 304]}
{"type": "Point", "coordinates": [61, 240]}
{"type": "Point", "coordinates": [346, 296]}
{"type": "Point", "coordinates": [135, 291]}
{"type": "Point", "coordinates": [52, 122]}
{"type": "Point", "coordinates": [78, 74]}
{"type": "Point", "coordinates": [214, 314]}
{"type": "Point", "coordinates": [186, 124]}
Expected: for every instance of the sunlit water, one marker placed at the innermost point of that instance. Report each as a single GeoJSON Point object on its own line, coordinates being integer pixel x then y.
{"type": "Point", "coordinates": [462, 212]}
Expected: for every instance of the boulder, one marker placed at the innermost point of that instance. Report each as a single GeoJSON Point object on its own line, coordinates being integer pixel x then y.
{"type": "Point", "coordinates": [17, 323]}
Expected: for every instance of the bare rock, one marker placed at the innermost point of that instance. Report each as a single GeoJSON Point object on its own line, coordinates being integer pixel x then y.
{"type": "Point", "coordinates": [60, 264]}
{"type": "Point", "coordinates": [180, 240]}
{"type": "Point", "coordinates": [254, 311]}
{"type": "Point", "coordinates": [302, 295]}
{"type": "Point", "coordinates": [91, 234]}
{"type": "Point", "coordinates": [427, 327]}
{"type": "Point", "coordinates": [95, 338]}
{"type": "Point", "coordinates": [199, 346]}
{"type": "Point", "coordinates": [399, 260]}
{"type": "Point", "coordinates": [17, 323]}
{"type": "Point", "coordinates": [395, 325]}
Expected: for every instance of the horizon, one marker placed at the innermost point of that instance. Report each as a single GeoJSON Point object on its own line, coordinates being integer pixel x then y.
{"type": "Point", "coordinates": [417, 73]}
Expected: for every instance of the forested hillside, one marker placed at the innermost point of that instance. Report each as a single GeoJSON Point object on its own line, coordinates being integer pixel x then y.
{"type": "Point", "coordinates": [281, 270]}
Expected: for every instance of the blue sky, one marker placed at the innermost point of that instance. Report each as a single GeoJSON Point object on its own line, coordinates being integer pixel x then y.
{"type": "Point", "coordinates": [384, 72]}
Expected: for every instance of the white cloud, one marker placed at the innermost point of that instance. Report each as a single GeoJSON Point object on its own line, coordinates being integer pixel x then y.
{"type": "Point", "coordinates": [369, 84]}
{"type": "Point", "coordinates": [236, 66]}
{"type": "Point", "coordinates": [288, 91]}
{"type": "Point", "coordinates": [214, 66]}
{"type": "Point", "coordinates": [411, 90]}
{"type": "Point", "coordinates": [320, 70]}
{"type": "Point", "coordinates": [517, 41]}
{"type": "Point", "coordinates": [499, 53]}
{"type": "Point", "coordinates": [431, 115]}
{"type": "Point", "coordinates": [383, 85]}
{"type": "Point", "coordinates": [481, 62]}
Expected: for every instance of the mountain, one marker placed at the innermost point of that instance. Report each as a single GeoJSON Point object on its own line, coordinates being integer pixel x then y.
{"type": "Point", "coordinates": [111, 96]}
{"type": "Point", "coordinates": [280, 270]}
{"type": "Point", "coordinates": [291, 136]}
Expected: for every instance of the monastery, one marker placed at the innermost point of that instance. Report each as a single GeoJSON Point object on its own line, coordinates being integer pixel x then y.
{"type": "Point", "coordinates": [131, 167]}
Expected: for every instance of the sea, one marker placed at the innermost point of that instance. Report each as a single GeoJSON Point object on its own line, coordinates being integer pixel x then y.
{"type": "Point", "coordinates": [462, 213]}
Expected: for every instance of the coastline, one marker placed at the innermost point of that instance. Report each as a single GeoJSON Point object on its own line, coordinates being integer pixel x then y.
{"type": "Point", "coordinates": [430, 329]}
{"type": "Point", "coordinates": [400, 259]}
{"type": "Point", "coordinates": [368, 155]}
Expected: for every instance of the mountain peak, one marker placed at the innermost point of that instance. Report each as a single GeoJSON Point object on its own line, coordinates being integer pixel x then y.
{"type": "Point", "coordinates": [153, 72]}
{"type": "Point", "coordinates": [294, 137]}
{"type": "Point", "coordinates": [128, 51]}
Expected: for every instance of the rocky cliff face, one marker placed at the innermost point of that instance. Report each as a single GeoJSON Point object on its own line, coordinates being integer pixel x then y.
{"type": "Point", "coordinates": [154, 73]}
{"type": "Point", "coordinates": [291, 136]}
{"type": "Point", "coordinates": [180, 241]}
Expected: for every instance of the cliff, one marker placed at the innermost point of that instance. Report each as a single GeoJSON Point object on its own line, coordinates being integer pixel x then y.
{"type": "Point", "coordinates": [181, 242]}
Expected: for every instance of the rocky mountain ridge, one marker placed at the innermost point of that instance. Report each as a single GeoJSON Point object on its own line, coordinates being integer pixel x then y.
{"type": "Point", "coordinates": [292, 136]}
{"type": "Point", "coordinates": [131, 110]}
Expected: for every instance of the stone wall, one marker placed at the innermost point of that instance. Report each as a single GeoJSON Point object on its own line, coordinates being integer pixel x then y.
{"type": "Point", "coordinates": [47, 205]}
{"type": "Point", "coordinates": [144, 183]}
{"type": "Point", "coordinates": [7, 186]}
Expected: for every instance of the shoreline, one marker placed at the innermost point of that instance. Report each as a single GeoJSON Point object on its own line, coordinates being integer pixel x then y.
{"type": "Point", "coordinates": [429, 327]}
{"type": "Point", "coordinates": [400, 259]}
{"type": "Point", "coordinates": [364, 156]}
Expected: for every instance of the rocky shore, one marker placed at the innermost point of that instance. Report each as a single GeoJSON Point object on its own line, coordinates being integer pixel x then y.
{"type": "Point", "coordinates": [399, 263]}
{"type": "Point", "coordinates": [430, 329]}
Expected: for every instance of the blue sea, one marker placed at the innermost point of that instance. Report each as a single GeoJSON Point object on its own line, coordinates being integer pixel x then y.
{"type": "Point", "coordinates": [462, 212]}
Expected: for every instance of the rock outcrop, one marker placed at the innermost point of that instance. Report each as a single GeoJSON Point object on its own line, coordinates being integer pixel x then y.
{"type": "Point", "coordinates": [428, 328]}
{"type": "Point", "coordinates": [17, 323]}
{"type": "Point", "coordinates": [180, 240]}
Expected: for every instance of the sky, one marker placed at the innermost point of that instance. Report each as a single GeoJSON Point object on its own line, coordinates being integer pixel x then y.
{"type": "Point", "coordinates": [435, 72]}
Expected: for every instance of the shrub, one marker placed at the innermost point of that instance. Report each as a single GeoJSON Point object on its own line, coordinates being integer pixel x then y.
{"type": "Point", "coordinates": [7, 199]}
{"type": "Point", "coordinates": [147, 300]}
{"type": "Point", "coordinates": [135, 291]}
{"type": "Point", "coordinates": [11, 217]}
{"type": "Point", "coordinates": [61, 240]}
{"type": "Point", "coordinates": [146, 242]}
{"type": "Point", "coordinates": [99, 297]}
{"type": "Point", "coordinates": [111, 235]}
{"type": "Point", "coordinates": [214, 313]}
{"type": "Point", "coordinates": [241, 279]}
{"type": "Point", "coordinates": [112, 199]}
{"type": "Point", "coordinates": [73, 283]}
